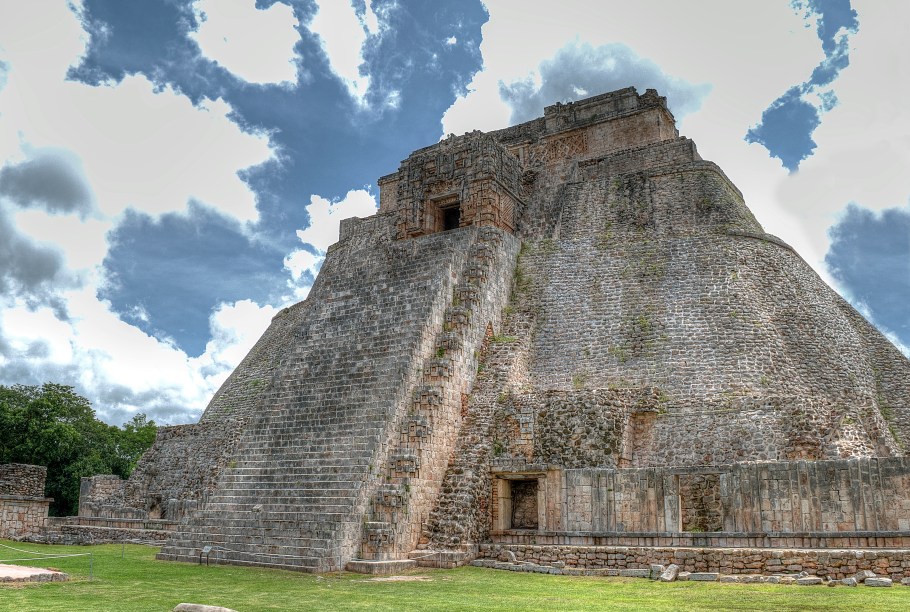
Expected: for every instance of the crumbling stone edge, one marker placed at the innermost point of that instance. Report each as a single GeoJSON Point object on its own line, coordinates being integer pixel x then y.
{"type": "Point", "coordinates": [671, 573]}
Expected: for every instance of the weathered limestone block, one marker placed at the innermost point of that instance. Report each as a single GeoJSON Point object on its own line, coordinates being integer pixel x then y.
{"type": "Point", "coordinates": [670, 573]}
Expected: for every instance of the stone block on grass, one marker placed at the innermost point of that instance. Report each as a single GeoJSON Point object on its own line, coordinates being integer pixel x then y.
{"type": "Point", "coordinates": [635, 573]}
{"type": "Point", "coordinates": [670, 573]}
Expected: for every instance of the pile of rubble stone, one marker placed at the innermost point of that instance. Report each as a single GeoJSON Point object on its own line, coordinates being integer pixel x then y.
{"type": "Point", "coordinates": [671, 573]}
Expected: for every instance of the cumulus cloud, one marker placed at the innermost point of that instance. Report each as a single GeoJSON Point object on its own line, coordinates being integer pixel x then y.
{"type": "Point", "coordinates": [75, 159]}
{"type": "Point", "coordinates": [342, 31]}
{"type": "Point", "coordinates": [235, 328]}
{"type": "Point", "coordinates": [301, 261]}
{"type": "Point", "coordinates": [860, 156]}
{"type": "Point", "coordinates": [869, 258]}
{"type": "Point", "coordinates": [51, 180]}
{"type": "Point", "coordinates": [580, 69]}
{"type": "Point", "coordinates": [256, 45]}
{"type": "Point", "coordinates": [120, 368]}
{"type": "Point", "coordinates": [323, 230]}
{"type": "Point", "coordinates": [326, 215]}
{"type": "Point", "coordinates": [27, 268]}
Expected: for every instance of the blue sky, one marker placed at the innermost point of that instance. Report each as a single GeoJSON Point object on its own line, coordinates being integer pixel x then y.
{"type": "Point", "coordinates": [172, 171]}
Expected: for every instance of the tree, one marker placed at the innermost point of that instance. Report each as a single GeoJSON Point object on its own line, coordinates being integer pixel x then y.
{"type": "Point", "coordinates": [53, 426]}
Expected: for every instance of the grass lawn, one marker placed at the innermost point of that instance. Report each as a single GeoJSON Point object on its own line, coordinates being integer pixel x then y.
{"type": "Point", "coordinates": [139, 582]}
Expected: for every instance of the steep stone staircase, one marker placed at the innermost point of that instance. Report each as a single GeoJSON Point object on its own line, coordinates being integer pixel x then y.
{"type": "Point", "coordinates": [459, 519]}
{"type": "Point", "coordinates": [288, 503]}
{"type": "Point", "coordinates": [308, 468]}
{"type": "Point", "coordinates": [418, 458]}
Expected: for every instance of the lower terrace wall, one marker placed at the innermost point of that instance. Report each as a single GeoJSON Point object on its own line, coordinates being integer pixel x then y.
{"type": "Point", "coordinates": [796, 497]}
{"type": "Point", "coordinates": [836, 564]}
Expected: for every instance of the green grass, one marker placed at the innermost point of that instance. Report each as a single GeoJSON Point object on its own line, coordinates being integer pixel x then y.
{"type": "Point", "coordinates": [138, 582]}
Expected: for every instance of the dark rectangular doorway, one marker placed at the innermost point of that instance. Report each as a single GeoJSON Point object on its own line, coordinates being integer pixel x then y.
{"type": "Point", "coordinates": [524, 504]}
{"type": "Point", "coordinates": [451, 217]}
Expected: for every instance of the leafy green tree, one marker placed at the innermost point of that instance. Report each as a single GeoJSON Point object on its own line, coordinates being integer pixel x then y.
{"type": "Point", "coordinates": [52, 425]}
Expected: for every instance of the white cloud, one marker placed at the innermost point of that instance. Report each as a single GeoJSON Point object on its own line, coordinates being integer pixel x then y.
{"type": "Point", "coordinates": [863, 143]}
{"type": "Point", "coordinates": [256, 45]}
{"type": "Point", "coordinates": [343, 33]}
{"type": "Point", "coordinates": [116, 146]}
{"type": "Point", "coordinates": [325, 216]}
{"type": "Point", "coordinates": [141, 147]}
{"type": "Point", "coordinates": [235, 329]}
{"type": "Point", "coordinates": [128, 370]}
{"type": "Point", "coordinates": [682, 42]}
{"type": "Point", "coordinates": [300, 261]}
{"type": "Point", "coordinates": [749, 52]}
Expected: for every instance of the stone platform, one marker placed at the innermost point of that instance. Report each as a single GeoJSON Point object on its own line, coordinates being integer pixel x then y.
{"type": "Point", "coordinates": [19, 573]}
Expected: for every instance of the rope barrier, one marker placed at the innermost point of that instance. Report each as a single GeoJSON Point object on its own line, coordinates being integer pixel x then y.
{"type": "Point", "coordinates": [43, 556]}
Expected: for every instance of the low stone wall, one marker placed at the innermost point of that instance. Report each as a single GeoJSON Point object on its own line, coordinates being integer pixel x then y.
{"type": "Point", "coordinates": [721, 539]}
{"type": "Point", "coordinates": [95, 530]}
{"type": "Point", "coordinates": [23, 506]}
{"type": "Point", "coordinates": [836, 564]}
{"type": "Point", "coordinates": [22, 516]}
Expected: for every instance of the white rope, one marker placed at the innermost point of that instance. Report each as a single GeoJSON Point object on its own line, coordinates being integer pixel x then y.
{"type": "Point", "coordinates": [35, 552]}
{"type": "Point", "coordinates": [47, 557]}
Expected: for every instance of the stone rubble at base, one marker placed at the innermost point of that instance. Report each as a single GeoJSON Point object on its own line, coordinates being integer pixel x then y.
{"type": "Point", "coordinates": [671, 574]}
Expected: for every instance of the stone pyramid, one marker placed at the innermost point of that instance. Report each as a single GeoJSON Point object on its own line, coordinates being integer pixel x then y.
{"type": "Point", "coordinates": [569, 331]}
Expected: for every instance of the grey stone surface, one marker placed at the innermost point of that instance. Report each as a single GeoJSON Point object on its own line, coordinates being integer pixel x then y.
{"type": "Point", "coordinates": [670, 573]}
{"type": "Point", "coordinates": [192, 607]}
{"type": "Point", "coordinates": [703, 576]}
{"type": "Point", "coordinates": [635, 573]}
{"type": "Point", "coordinates": [656, 570]}
{"type": "Point", "coordinates": [23, 506]}
{"type": "Point", "coordinates": [683, 576]}
{"type": "Point", "coordinates": [862, 575]}
{"type": "Point", "coordinates": [849, 581]}
{"type": "Point", "coordinates": [878, 581]}
{"type": "Point", "coordinates": [809, 580]}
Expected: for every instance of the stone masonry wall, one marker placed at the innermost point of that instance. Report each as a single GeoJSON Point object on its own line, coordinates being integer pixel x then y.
{"type": "Point", "coordinates": [652, 323]}
{"type": "Point", "coordinates": [22, 479]}
{"type": "Point", "coordinates": [836, 564]}
{"type": "Point", "coordinates": [177, 474]}
{"type": "Point", "coordinates": [865, 494]}
{"type": "Point", "coordinates": [662, 278]}
{"type": "Point", "coordinates": [429, 435]}
{"type": "Point", "coordinates": [23, 506]}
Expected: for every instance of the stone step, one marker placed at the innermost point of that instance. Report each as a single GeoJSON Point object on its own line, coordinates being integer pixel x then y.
{"type": "Point", "coordinates": [239, 518]}
{"type": "Point", "coordinates": [286, 537]}
{"type": "Point", "coordinates": [191, 555]}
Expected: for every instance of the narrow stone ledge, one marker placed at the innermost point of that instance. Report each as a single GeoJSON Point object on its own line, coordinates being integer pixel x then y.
{"type": "Point", "coordinates": [383, 568]}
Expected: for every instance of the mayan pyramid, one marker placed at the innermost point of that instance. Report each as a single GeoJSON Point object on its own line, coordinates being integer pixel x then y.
{"type": "Point", "coordinates": [569, 332]}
